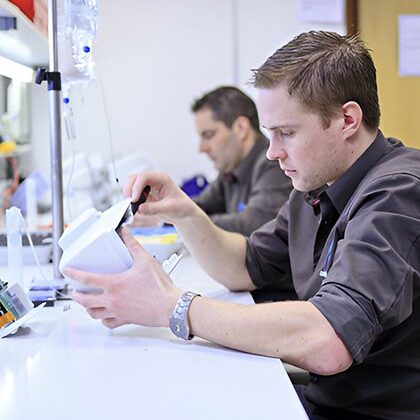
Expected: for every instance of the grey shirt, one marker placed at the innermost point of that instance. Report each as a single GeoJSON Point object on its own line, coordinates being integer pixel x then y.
{"type": "Point", "coordinates": [250, 196]}
{"type": "Point", "coordinates": [362, 272]}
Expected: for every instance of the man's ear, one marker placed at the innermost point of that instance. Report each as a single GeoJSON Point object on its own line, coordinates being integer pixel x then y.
{"type": "Point", "coordinates": [241, 127]}
{"type": "Point", "coordinates": [352, 117]}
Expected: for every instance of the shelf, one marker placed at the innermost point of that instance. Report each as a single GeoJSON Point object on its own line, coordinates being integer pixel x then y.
{"type": "Point", "coordinates": [20, 150]}
{"type": "Point", "coordinates": [27, 44]}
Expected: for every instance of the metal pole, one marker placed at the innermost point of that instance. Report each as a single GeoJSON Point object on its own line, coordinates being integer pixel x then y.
{"type": "Point", "coordinates": [55, 141]}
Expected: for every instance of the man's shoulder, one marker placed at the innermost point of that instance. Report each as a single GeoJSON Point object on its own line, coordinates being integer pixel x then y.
{"type": "Point", "coordinates": [398, 163]}
{"type": "Point", "coordinates": [393, 183]}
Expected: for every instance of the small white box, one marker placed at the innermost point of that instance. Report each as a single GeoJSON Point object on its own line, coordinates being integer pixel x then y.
{"type": "Point", "coordinates": [91, 243]}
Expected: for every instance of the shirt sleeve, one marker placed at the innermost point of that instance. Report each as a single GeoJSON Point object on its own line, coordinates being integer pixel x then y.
{"type": "Point", "coordinates": [270, 189]}
{"type": "Point", "coordinates": [375, 275]}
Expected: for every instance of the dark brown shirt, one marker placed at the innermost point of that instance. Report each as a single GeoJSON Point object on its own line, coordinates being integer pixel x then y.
{"type": "Point", "coordinates": [362, 271]}
{"type": "Point", "coordinates": [250, 196]}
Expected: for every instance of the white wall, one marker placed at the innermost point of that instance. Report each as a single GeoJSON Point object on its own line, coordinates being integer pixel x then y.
{"type": "Point", "coordinates": [265, 26]}
{"type": "Point", "coordinates": [153, 58]}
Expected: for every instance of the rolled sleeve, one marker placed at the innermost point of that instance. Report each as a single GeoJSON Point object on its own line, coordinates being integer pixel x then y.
{"type": "Point", "coordinates": [351, 316]}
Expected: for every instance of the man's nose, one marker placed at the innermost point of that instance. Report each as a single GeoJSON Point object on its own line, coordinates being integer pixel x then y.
{"type": "Point", "coordinates": [276, 152]}
{"type": "Point", "coordinates": [203, 148]}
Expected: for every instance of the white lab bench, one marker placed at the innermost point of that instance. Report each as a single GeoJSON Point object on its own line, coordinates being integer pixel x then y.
{"type": "Point", "coordinates": [64, 365]}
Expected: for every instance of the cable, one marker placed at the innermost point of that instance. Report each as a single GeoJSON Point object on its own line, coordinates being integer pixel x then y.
{"type": "Point", "coordinates": [31, 244]}
{"type": "Point", "coordinates": [68, 185]}
{"type": "Point", "coordinates": [38, 264]}
{"type": "Point", "coordinates": [108, 123]}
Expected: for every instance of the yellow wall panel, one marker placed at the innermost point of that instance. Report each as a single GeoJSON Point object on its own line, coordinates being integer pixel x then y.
{"type": "Point", "coordinates": [399, 96]}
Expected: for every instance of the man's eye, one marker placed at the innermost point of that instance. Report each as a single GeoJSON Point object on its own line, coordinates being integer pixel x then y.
{"type": "Point", "coordinates": [286, 133]}
{"type": "Point", "coordinates": [208, 135]}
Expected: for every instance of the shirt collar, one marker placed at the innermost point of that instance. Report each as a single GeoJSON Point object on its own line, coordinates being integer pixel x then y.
{"type": "Point", "coordinates": [312, 197]}
{"type": "Point", "coordinates": [344, 187]}
{"type": "Point", "coordinates": [247, 163]}
{"type": "Point", "coordinates": [229, 177]}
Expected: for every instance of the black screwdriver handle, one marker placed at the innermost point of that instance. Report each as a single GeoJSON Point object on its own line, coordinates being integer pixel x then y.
{"type": "Point", "coordinates": [143, 197]}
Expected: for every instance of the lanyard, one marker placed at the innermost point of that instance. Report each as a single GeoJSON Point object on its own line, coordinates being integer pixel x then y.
{"type": "Point", "coordinates": [328, 260]}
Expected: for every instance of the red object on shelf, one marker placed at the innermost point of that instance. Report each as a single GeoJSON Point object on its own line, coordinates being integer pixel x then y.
{"type": "Point", "coordinates": [27, 7]}
{"type": "Point", "coordinates": [41, 15]}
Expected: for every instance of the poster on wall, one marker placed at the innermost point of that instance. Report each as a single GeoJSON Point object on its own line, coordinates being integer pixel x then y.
{"type": "Point", "coordinates": [321, 11]}
{"type": "Point", "coordinates": [409, 45]}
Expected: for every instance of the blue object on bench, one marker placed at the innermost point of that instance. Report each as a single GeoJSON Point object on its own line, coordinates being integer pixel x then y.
{"type": "Point", "coordinates": [193, 186]}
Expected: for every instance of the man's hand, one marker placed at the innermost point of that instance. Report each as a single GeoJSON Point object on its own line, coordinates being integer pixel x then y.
{"type": "Point", "coordinates": [144, 294]}
{"type": "Point", "coordinates": [165, 201]}
{"type": "Point", "coordinates": [220, 253]}
{"type": "Point", "coordinates": [140, 220]}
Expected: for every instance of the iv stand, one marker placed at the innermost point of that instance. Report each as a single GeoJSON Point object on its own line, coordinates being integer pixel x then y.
{"type": "Point", "coordinates": [53, 78]}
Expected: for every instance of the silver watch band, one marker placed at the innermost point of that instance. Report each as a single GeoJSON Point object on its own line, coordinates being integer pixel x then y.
{"type": "Point", "coordinates": [178, 321]}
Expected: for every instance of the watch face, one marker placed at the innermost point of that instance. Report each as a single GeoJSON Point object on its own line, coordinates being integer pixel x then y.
{"type": "Point", "coordinates": [178, 327]}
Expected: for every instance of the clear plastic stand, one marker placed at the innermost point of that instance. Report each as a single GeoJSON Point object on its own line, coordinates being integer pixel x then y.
{"type": "Point", "coordinates": [14, 246]}
{"type": "Point", "coordinates": [14, 326]}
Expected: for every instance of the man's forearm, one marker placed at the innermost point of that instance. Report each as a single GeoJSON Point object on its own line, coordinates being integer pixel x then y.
{"type": "Point", "coordinates": [295, 332]}
{"type": "Point", "coordinates": [220, 253]}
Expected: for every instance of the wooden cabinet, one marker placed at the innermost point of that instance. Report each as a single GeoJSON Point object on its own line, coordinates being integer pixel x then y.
{"type": "Point", "coordinates": [399, 96]}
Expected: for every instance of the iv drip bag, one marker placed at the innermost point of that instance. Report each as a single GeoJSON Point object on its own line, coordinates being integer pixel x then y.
{"type": "Point", "coordinates": [77, 27]}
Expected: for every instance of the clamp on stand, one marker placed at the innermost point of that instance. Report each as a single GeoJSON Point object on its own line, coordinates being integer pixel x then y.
{"type": "Point", "coordinates": [52, 77]}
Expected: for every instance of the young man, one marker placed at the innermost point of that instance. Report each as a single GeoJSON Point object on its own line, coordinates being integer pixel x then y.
{"type": "Point", "coordinates": [249, 189]}
{"type": "Point", "coordinates": [349, 235]}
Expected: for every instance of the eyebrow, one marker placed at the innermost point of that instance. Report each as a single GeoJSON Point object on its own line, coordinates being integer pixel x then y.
{"type": "Point", "coordinates": [281, 126]}
{"type": "Point", "coordinates": [209, 131]}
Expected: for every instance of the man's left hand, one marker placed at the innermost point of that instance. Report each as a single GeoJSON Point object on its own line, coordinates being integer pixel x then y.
{"type": "Point", "coordinates": [144, 294]}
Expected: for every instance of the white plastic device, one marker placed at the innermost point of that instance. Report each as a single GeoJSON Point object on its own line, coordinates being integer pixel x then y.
{"type": "Point", "coordinates": [91, 243]}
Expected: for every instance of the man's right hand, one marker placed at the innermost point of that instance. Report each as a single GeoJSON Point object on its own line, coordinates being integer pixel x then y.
{"type": "Point", "coordinates": [220, 253]}
{"type": "Point", "coordinates": [165, 201]}
{"type": "Point", "coordinates": [140, 220]}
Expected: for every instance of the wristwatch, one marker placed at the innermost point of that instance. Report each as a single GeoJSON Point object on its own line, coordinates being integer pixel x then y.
{"type": "Point", "coordinates": [178, 321]}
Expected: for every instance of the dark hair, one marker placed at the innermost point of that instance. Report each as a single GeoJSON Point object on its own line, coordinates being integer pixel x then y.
{"type": "Point", "coordinates": [227, 104]}
{"type": "Point", "coordinates": [324, 70]}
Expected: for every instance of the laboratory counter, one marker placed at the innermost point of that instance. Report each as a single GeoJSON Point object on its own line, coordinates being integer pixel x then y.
{"type": "Point", "coordinates": [64, 365]}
